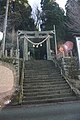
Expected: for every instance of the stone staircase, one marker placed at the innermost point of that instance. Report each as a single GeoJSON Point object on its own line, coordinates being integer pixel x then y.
{"type": "Point", "coordinates": [43, 83]}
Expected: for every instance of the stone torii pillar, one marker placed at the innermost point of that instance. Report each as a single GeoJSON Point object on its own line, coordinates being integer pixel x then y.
{"type": "Point", "coordinates": [48, 49]}
{"type": "Point", "coordinates": [25, 53]}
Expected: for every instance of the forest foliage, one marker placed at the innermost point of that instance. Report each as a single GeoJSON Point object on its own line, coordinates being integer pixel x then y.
{"type": "Point", "coordinates": [20, 17]}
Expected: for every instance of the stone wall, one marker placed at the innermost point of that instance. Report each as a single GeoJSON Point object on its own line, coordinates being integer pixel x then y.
{"type": "Point", "coordinates": [8, 82]}
{"type": "Point", "coordinates": [69, 68]}
{"type": "Point", "coordinates": [15, 66]}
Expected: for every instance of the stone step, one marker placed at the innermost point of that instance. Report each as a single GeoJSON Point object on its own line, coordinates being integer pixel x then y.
{"type": "Point", "coordinates": [53, 100]}
{"type": "Point", "coordinates": [43, 63]}
{"type": "Point", "coordinates": [42, 73]}
{"type": "Point", "coordinates": [43, 81]}
{"type": "Point", "coordinates": [47, 89]}
{"type": "Point", "coordinates": [41, 66]}
{"type": "Point", "coordinates": [43, 77]}
{"type": "Point", "coordinates": [39, 63]}
{"type": "Point", "coordinates": [48, 96]}
{"type": "Point", "coordinates": [57, 78]}
{"type": "Point", "coordinates": [45, 86]}
{"type": "Point", "coordinates": [41, 70]}
{"type": "Point", "coordinates": [34, 70]}
{"type": "Point", "coordinates": [47, 92]}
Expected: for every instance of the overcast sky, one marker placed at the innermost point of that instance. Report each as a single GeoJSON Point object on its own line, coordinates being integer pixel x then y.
{"type": "Point", "coordinates": [61, 3]}
{"type": "Point", "coordinates": [35, 3]}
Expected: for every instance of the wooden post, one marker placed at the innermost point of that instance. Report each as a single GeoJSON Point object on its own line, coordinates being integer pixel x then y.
{"type": "Point", "coordinates": [48, 49]}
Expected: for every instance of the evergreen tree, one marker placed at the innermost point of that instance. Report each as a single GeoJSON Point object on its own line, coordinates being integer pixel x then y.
{"type": "Point", "coordinates": [73, 16]}
{"type": "Point", "coordinates": [52, 14]}
{"type": "Point", "coordinates": [19, 18]}
{"type": "Point", "coordinates": [19, 15]}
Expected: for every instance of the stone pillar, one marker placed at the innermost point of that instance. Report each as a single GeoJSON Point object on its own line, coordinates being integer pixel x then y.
{"type": "Point", "coordinates": [0, 53]}
{"type": "Point", "coordinates": [48, 49]}
{"type": "Point", "coordinates": [6, 53]}
{"type": "Point", "coordinates": [25, 49]}
{"type": "Point", "coordinates": [11, 53]}
{"type": "Point", "coordinates": [71, 53]}
{"type": "Point", "coordinates": [17, 53]}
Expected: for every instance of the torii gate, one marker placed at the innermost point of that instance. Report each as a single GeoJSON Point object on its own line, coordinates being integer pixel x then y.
{"type": "Point", "coordinates": [28, 35]}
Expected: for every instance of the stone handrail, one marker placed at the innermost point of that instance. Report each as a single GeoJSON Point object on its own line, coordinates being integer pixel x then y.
{"type": "Point", "coordinates": [21, 82]}
{"type": "Point", "coordinates": [58, 63]}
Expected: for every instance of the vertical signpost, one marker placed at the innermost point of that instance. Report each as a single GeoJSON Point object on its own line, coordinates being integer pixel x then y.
{"type": "Point", "coordinates": [78, 48]}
